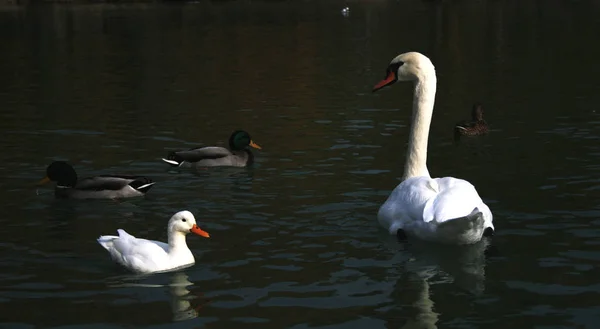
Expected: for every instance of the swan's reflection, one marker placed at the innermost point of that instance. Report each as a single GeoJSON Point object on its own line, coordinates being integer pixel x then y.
{"type": "Point", "coordinates": [429, 264]}
{"type": "Point", "coordinates": [178, 287]}
{"type": "Point", "coordinates": [462, 265]}
{"type": "Point", "coordinates": [425, 318]}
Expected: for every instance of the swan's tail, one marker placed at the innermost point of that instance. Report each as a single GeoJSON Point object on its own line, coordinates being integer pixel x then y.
{"type": "Point", "coordinates": [463, 230]}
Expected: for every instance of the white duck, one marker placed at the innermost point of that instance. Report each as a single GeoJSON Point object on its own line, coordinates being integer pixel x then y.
{"type": "Point", "coordinates": [147, 256]}
{"type": "Point", "coordinates": [446, 210]}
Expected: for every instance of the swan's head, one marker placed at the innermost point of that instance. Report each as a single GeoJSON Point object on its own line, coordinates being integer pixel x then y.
{"type": "Point", "coordinates": [406, 67]}
{"type": "Point", "coordinates": [185, 222]}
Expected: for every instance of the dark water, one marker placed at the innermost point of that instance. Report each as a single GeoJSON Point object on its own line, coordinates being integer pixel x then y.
{"type": "Point", "coordinates": [295, 242]}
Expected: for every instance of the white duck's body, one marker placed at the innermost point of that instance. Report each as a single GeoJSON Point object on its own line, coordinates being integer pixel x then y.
{"type": "Point", "coordinates": [446, 210]}
{"type": "Point", "coordinates": [148, 256]}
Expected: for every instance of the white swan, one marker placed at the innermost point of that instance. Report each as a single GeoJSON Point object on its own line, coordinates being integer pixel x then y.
{"type": "Point", "coordinates": [447, 209]}
{"type": "Point", "coordinates": [147, 256]}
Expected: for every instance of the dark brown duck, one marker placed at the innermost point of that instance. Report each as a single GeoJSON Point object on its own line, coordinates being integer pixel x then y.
{"type": "Point", "coordinates": [476, 126]}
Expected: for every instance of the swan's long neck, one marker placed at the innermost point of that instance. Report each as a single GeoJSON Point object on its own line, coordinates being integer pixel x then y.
{"type": "Point", "coordinates": [423, 100]}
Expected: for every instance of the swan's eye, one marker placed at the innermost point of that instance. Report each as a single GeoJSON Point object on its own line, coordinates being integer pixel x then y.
{"type": "Point", "coordinates": [183, 219]}
{"type": "Point", "coordinates": [394, 67]}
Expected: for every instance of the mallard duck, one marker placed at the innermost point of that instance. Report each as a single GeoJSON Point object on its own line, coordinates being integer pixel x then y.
{"type": "Point", "coordinates": [238, 154]}
{"type": "Point", "coordinates": [148, 256]}
{"type": "Point", "coordinates": [477, 126]}
{"type": "Point", "coordinates": [97, 187]}
{"type": "Point", "coordinates": [446, 209]}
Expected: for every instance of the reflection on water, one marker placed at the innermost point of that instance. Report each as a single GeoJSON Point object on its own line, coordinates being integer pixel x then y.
{"type": "Point", "coordinates": [178, 288]}
{"type": "Point", "coordinates": [462, 265]}
{"type": "Point", "coordinates": [180, 300]}
{"type": "Point", "coordinates": [427, 265]}
{"type": "Point", "coordinates": [426, 317]}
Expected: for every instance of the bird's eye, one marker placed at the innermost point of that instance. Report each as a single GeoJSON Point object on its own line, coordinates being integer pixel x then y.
{"type": "Point", "coordinates": [183, 219]}
{"type": "Point", "coordinates": [394, 67]}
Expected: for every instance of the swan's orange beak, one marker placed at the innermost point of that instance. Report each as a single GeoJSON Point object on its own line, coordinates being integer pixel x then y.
{"type": "Point", "coordinates": [256, 146]}
{"type": "Point", "coordinates": [197, 230]}
{"type": "Point", "coordinates": [391, 78]}
{"type": "Point", "coordinates": [44, 181]}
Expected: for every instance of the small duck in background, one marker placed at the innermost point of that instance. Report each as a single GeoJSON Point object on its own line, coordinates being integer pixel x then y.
{"type": "Point", "coordinates": [477, 126]}
{"type": "Point", "coordinates": [238, 154]}
{"type": "Point", "coordinates": [96, 187]}
{"type": "Point", "coordinates": [346, 11]}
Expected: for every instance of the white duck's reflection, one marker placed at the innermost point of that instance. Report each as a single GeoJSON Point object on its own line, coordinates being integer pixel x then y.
{"type": "Point", "coordinates": [178, 287]}
{"type": "Point", "coordinates": [181, 304]}
{"type": "Point", "coordinates": [426, 265]}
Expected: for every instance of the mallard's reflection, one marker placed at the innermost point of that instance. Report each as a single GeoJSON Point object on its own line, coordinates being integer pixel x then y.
{"type": "Point", "coordinates": [235, 176]}
{"type": "Point", "coordinates": [219, 178]}
{"type": "Point", "coordinates": [178, 287]}
{"type": "Point", "coordinates": [234, 173]}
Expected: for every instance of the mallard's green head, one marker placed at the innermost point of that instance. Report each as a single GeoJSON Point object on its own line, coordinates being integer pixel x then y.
{"type": "Point", "coordinates": [60, 172]}
{"type": "Point", "coordinates": [240, 139]}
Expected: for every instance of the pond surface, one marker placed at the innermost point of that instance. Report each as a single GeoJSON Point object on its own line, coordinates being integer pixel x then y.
{"type": "Point", "coordinates": [294, 239]}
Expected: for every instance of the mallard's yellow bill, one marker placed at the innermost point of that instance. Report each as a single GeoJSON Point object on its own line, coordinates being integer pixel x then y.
{"type": "Point", "coordinates": [44, 181]}
{"type": "Point", "coordinates": [256, 146]}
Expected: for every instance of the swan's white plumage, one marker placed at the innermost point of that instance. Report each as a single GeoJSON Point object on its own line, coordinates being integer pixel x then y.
{"type": "Point", "coordinates": [420, 204]}
{"type": "Point", "coordinates": [447, 209]}
{"type": "Point", "coordinates": [147, 256]}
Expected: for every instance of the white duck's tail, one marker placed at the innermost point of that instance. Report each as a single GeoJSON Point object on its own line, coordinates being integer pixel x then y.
{"type": "Point", "coordinates": [107, 241]}
{"type": "Point", "coordinates": [463, 230]}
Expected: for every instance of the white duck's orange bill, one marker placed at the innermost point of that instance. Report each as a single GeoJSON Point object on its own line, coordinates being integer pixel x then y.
{"type": "Point", "coordinates": [197, 230]}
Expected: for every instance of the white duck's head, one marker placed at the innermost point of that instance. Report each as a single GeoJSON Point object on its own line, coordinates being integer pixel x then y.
{"type": "Point", "coordinates": [185, 222]}
{"type": "Point", "coordinates": [406, 67]}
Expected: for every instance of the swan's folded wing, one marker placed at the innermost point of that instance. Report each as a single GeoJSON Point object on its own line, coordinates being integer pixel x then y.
{"type": "Point", "coordinates": [456, 198]}
{"type": "Point", "coordinates": [417, 195]}
{"type": "Point", "coordinates": [202, 153]}
{"type": "Point", "coordinates": [405, 205]}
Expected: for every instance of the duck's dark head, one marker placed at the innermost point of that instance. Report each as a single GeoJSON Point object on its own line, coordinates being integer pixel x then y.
{"type": "Point", "coordinates": [477, 112]}
{"type": "Point", "coordinates": [240, 139]}
{"type": "Point", "coordinates": [60, 172]}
